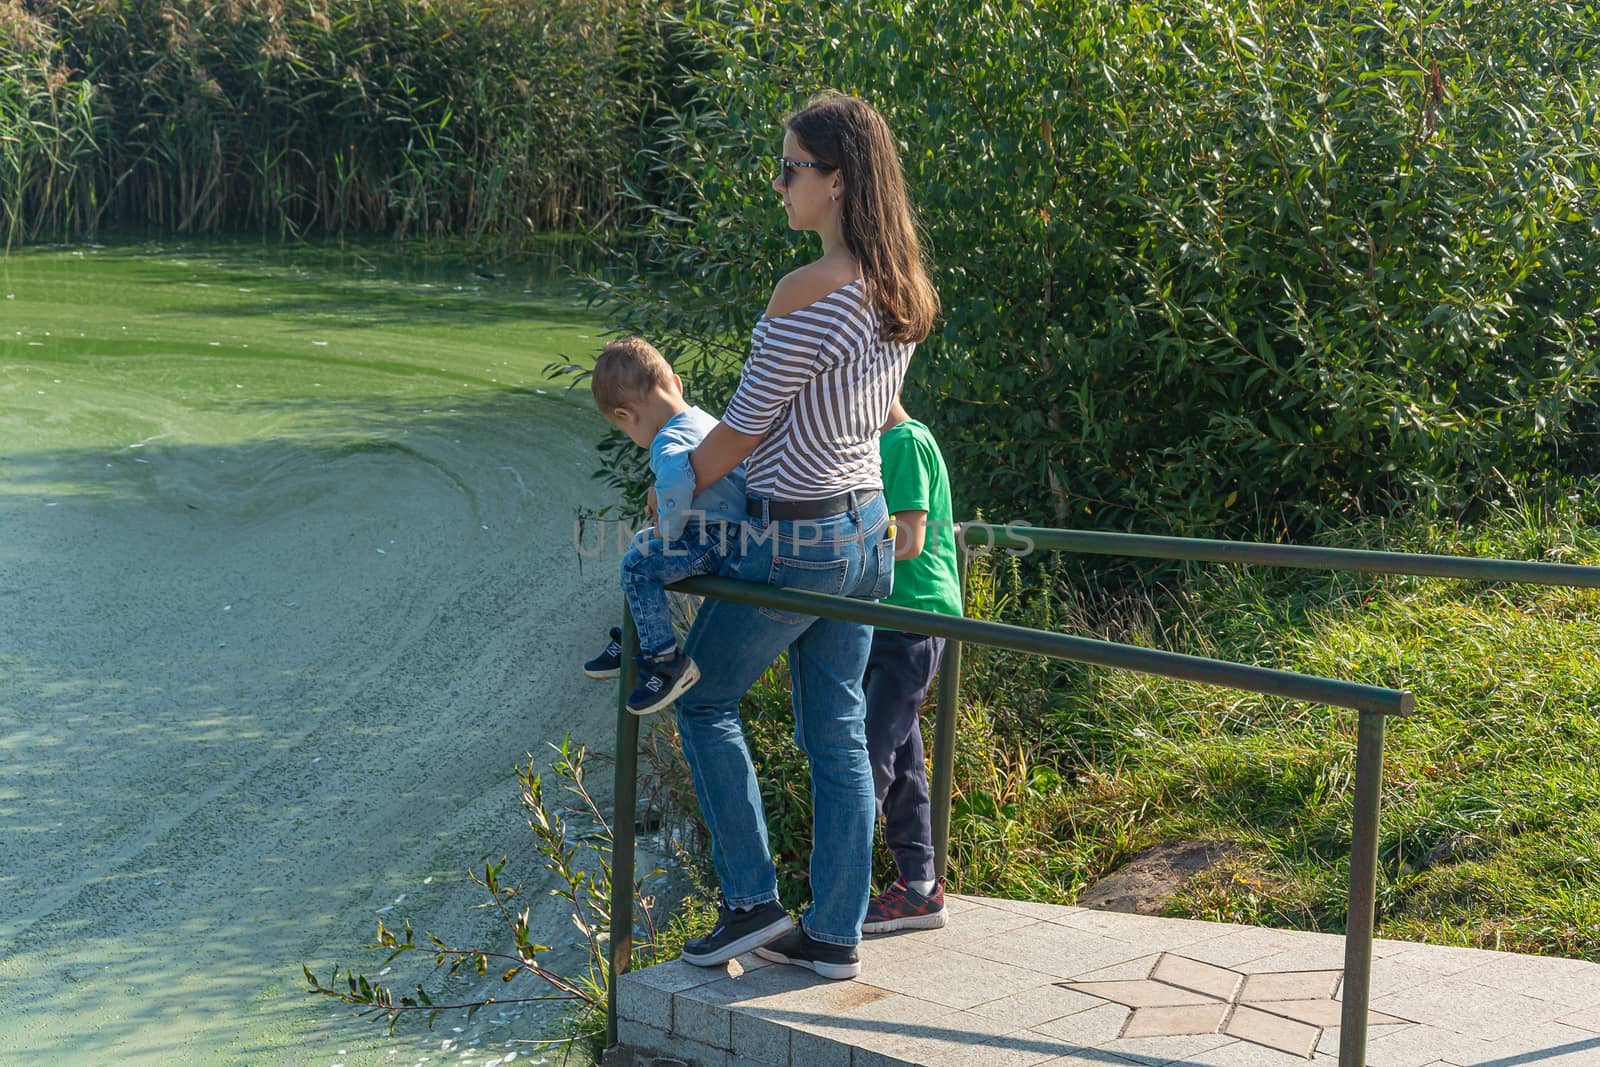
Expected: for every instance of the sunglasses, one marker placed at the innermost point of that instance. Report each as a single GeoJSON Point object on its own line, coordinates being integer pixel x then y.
{"type": "Point", "coordinates": [791, 165]}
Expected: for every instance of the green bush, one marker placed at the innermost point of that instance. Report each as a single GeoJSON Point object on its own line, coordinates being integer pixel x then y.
{"type": "Point", "coordinates": [1224, 267]}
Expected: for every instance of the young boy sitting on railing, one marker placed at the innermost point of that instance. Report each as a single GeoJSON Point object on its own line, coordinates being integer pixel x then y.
{"type": "Point", "coordinates": [636, 391]}
{"type": "Point", "coordinates": [901, 667]}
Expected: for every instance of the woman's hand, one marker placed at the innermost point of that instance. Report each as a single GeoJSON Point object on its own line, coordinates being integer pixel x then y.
{"type": "Point", "coordinates": [723, 449]}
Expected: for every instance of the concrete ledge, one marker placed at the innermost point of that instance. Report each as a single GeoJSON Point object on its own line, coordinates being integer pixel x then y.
{"type": "Point", "coordinates": [1017, 984]}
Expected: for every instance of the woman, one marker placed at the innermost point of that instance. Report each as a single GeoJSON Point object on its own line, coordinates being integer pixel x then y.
{"type": "Point", "coordinates": [826, 362]}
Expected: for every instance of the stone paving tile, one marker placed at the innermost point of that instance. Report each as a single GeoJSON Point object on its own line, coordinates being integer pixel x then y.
{"type": "Point", "coordinates": [1584, 1019]}
{"type": "Point", "coordinates": [1204, 1018]}
{"type": "Point", "coordinates": [896, 1012]}
{"type": "Point", "coordinates": [1551, 1045]}
{"type": "Point", "coordinates": [947, 1037]}
{"type": "Point", "coordinates": [968, 928]}
{"type": "Point", "coordinates": [1171, 935]}
{"type": "Point", "coordinates": [640, 1036]}
{"type": "Point", "coordinates": [1329, 1045]}
{"type": "Point", "coordinates": [1026, 1049]}
{"type": "Point", "coordinates": [759, 1040]}
{"type": "Point", "coordinates": [1444, 960]}
{"type": "Point", "coordinates": [818, 1050]}
{"type": "Point", "coordinates": [1575, 983]}
{"type": "Point", "coordinates": [1142, 993]}
{"type": "Point", "coordinates": [703, 1021]}
{"type": "Point", "coordinates": [1206, 978]}
{"type": "Point", "coordinates": [1246, 1054]}
{"type": "Point", "coordinates": [1031, 1007]}
{"type": "Point", "coordinates": [1087, 1058]}
{"type": "Point", "coordinates": [1099, 1030]}
{"type": "Point", "coordinates": [1127, 971]}
{"type": "Point", "coordinates": [1273, 1031]}
{"type": "Point", "coordinates": [1092, 1057]}
{"type": "Point", "coordinates": [956, 904]}
{"type": "Point", "coordinates": [1469, 1008]}
{"type": "Point", "coordinates": [884, 1026]}
{"type": "Point", "coordinates": [1162, 1050]}
{"type": "Point", "coordinates": [1417, 1046]}
{"type": "Point", "coordinates": [1391, 976]}
{"type": "Point", "coordinates": [1087, 1029]}
{"type": "Point", "coordinates": [894, 949]}
{"type": "Point", "coordinates": [646, 995]}
{"type": "Point", "coordinates": [958, 980]}
{"type": "Point", "coordinates": [988, 990]}
{"type": "Point", "coordinates": [1056, 950]}
{"type": "Point", "coordinates": [1312, 956]}
{"type": "Point", "coordinates": [768, 982]}
{"type": "Point", "coordinates": [879, 1031]}
{"type": "Point", "coordinates": [1323, 1012]}
{"type": "Point", "coordinates": [676, 975]}
{"type": "Point", "coordinates": [1243, 945]}
{"type": "Point", "coordinates": [1289, 985]}
{"type": "Point", "coordinates": [1055, 913]}
{"type": "Point", "coordinates": [812, 997]}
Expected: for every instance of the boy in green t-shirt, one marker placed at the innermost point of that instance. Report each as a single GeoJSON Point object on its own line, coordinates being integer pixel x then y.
{"type": "Point", "coordinates": [901, 667]}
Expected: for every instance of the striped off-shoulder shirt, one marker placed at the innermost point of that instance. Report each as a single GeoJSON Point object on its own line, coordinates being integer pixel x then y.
{"type": "Point", "coordinates": [818, 383]}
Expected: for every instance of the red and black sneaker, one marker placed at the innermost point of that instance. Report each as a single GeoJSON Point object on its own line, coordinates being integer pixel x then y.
{"type": "Point", "coordinates": [902, 908]}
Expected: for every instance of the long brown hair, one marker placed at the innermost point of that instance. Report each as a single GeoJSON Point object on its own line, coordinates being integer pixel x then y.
{"type": "Point", "coordinates": [879, 228]}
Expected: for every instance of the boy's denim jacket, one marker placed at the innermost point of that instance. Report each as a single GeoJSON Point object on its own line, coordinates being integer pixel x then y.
{"type": "Point", "coordinates": [676, 502]}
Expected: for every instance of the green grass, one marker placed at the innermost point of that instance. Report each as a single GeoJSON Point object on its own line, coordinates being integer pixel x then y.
{"type": "Point", "coordinates": [1490, 828]}
{"type": "Point", "coordinates": [1489, 824]}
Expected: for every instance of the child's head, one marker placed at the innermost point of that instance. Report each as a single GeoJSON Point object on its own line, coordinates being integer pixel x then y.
{"type": "Point", "coordinates": [635, 389]}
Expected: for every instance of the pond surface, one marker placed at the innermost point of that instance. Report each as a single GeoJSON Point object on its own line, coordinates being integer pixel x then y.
{"type": "Point", "coordinates": [287, 589]}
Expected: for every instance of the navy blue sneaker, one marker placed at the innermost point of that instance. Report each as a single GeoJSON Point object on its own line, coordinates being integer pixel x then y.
{"type": "Point", "coordinates": [737, 932]}
{"type": "Point", "coordinates": [661, 681]}
{"type": "Point", "coordinates": [800, 949]}
{"type": "Point", "coordinates": [607, 664]}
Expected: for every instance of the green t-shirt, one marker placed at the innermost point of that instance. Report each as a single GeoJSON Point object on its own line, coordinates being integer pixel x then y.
{"type": "Point", "coordinates": [915, 479]}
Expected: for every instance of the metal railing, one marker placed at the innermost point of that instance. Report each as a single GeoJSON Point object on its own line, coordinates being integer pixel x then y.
{"type": "Point", "coordinates": [1372, 702]}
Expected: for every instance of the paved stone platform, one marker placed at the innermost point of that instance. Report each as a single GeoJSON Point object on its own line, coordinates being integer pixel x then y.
{"type": "Point", "coordinates": [1013, 984]}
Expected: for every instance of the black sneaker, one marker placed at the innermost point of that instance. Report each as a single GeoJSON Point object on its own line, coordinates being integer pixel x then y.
{"type": "Point", "coordinates": [607, 664]}
{"type": "Point", "coordinates": [738, 932]}
{"type": "Point", "coordinates": [661, 682]}
{"type": "Point", "coordinates": [802, 950]}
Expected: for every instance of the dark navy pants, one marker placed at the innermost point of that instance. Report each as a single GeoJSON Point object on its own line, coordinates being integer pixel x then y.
{"type": "Point", "coordinates": [900, 668]}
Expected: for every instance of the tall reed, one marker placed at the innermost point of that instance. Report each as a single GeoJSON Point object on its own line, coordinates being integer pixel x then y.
{"type": "Point", "coordinates": [412, 117]}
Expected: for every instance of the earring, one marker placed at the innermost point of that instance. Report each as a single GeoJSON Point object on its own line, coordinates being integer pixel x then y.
{"type": "Point", "coordinates": [835, 198]}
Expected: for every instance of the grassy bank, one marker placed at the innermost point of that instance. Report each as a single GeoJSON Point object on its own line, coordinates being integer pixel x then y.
{"type": "Point", "coordinates": [1490, 831]}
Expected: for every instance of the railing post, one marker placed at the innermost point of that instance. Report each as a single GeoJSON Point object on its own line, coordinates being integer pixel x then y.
{"type": "Point", "coordinates": [624, 801]}
{"type": "Point", "coordinates": [1363, 891]}
{"type": "Point", "coordinates": [944, 728]}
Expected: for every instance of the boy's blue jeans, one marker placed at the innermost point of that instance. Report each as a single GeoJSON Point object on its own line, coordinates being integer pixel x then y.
{"type": "Point", "coordinates": [650, 563]}
{"type": "Point", "coordinates": [733, 644]}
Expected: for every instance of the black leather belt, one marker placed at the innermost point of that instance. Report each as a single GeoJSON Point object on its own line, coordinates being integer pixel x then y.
{"type": "Point", "coordinates": [777, 510]}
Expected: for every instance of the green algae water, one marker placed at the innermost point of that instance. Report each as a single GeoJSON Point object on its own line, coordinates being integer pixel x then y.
{"type": "Point", "coordinates": [287, 588]}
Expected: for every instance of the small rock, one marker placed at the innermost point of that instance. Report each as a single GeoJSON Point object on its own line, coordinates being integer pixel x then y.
{"type": "Point", "coordinates": [1145, 884]}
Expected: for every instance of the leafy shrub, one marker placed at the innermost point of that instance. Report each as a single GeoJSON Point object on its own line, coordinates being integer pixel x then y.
{"type": "Point", "coordinates": [578, 861]}
{"type": "Point", "coordinates": [1207, 266]}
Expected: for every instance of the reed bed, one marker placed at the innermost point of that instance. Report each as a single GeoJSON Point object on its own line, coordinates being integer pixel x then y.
{"type": "Point", "coordinates": [409, 117]}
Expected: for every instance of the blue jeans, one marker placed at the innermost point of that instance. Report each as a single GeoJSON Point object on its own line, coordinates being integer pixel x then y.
{"type": "Point", "coordinates": [733, 644]}
{"type": "Point", "coordinates": [649, 563]}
